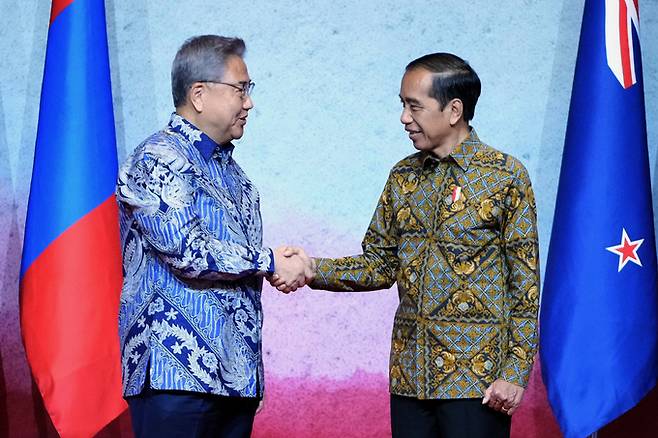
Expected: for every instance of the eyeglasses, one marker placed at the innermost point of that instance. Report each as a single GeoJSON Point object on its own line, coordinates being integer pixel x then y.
{"type": "Point", "coordinates": [245, 88]}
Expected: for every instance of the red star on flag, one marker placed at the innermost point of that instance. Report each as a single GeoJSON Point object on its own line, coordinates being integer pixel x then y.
{"type": "Point", "coordinates": [626, 250]}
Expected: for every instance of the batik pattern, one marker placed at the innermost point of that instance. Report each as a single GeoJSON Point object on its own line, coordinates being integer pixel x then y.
{"type": "Point", "coordinates": [190, 316]}
{"type": "Point", "coordinates": [459, 237]}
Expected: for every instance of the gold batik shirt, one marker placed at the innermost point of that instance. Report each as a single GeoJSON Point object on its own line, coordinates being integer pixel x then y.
{"type": "Point", "coordinates": [459, 237]}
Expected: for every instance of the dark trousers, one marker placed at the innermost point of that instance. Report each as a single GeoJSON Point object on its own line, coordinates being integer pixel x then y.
{"type": "Point", "coordinates": [459, 418]}
{"type": "Point", "coordinates": [181, 414]}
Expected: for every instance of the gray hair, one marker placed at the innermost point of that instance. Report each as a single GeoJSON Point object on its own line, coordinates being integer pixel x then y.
{"type": "Point", "coordinates": [201, 58]}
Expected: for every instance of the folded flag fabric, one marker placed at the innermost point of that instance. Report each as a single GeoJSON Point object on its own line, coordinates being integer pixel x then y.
{"type": "Point", "coordinates": [71, 267]}
{"type": "Point", "coordinates": [598, 324]}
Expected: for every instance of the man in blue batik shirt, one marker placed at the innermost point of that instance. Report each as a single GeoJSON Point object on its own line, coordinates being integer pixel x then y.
{"type": "Point", "coordinates": [193, 261]}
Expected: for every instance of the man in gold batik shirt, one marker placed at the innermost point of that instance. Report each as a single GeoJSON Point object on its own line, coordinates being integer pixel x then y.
{"type": "Point", "coordinates": [455, 228]}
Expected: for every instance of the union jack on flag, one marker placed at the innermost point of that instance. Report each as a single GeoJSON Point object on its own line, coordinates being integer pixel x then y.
{"type": "Point", "coordinates": [620, 18]}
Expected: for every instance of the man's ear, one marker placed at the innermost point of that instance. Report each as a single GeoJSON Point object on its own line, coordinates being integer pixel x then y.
{"type": "Point", "coordinates": [456, 107]}
{"type": "Point", "coordinates": [195, 96]}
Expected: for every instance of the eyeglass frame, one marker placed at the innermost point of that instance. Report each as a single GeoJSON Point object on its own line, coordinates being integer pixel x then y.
{"type": "Point", "coordinates": [245, 89]}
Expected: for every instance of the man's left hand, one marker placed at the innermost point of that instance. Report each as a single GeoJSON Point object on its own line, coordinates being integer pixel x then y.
{"type": "Point", "coordinates": [503, 396]}
{"type": "Point", "coordinates": [261, 405]}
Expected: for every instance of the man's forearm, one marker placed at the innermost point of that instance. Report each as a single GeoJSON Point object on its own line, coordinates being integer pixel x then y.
{"type": "Point", "coordinates": [352, 274]}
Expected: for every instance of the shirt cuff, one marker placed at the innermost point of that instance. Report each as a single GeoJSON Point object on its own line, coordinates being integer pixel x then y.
{"type": "Point", "coordinates": [517, 371]}
{"type": "Point", "coordinates": [265, 262]}
{"type": "Point", "coordinates": [319, 281]}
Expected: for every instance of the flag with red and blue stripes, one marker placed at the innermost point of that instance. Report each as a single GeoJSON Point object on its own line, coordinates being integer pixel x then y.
{"type": "Point", "coordinates": [599, 315]}
{"type": "Point", "coordinates": [70, 278]}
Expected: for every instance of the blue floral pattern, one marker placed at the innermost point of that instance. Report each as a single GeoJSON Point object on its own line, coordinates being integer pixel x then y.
{"type": "Point", "coordinates": [193, 260]}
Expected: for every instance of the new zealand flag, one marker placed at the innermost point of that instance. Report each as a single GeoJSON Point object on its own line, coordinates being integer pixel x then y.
{"type": "Point", "coordinates": [599, 306]}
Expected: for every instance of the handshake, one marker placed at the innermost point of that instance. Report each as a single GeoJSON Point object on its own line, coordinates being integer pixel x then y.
{"type": "Point", "coordinates": [293, 269]}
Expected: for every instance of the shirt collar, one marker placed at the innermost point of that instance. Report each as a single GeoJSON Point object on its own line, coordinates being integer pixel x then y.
{"type": "Point", "coordinates": [204, 144]}
{"type": "Point", "coordinates": [461, 154]}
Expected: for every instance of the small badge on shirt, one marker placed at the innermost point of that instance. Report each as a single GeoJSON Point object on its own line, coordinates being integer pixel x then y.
{"type": "Point", "coordinates": [455, 196]}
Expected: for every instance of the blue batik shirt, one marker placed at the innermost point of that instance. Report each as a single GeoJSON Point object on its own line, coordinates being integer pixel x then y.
{"type": "Point", "coordinates": [191, 232]}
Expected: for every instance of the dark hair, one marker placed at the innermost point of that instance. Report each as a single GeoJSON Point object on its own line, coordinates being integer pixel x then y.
{"type": "Point", "coordinates": [201, 58]}
{"type": "Point", "coordinates": [454, 78]}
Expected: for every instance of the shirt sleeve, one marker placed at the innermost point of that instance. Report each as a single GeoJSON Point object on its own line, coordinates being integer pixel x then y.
{"type": "Point", "coordinates": [376, 267]}
{"type": "Point", "coordinates": [521, 247]}
{"type": "Point", "coordinates": [159, 195]}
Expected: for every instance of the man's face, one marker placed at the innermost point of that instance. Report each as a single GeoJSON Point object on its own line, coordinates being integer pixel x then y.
{"type": "Point", "coordinates": [428, 126]}
{"type": "Point", "coordinates": [225, 109]}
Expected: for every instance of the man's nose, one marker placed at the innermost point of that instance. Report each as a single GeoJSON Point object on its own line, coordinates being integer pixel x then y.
{"type": "Point", "coordinates": [405, 117]}
{"type": "Point", "coordinates": [247, 103]}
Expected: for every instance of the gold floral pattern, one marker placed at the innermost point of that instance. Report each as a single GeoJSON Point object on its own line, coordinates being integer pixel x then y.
{"type": "Point", "coordinates": [483, 364]}
{"type": "Point", "coordinates": [445, 363]}
{"type": "Point", "coordinates": [464, 265]}
{"type": "Point", "coordinates": [459, 237]}
{"type": "Point", "coordinates": [463, 302]}
{"type": "Point", "coordinates": [408, 184]}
